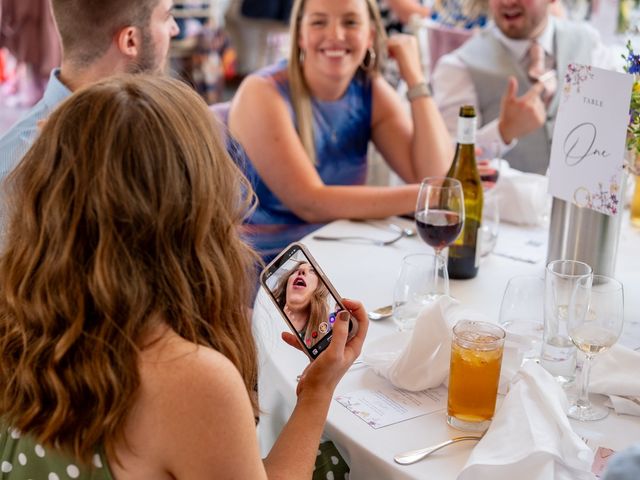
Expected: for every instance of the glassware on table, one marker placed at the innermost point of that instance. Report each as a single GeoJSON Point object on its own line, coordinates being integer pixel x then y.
{"type": "Point", "coordinates": [416, 287]}
{"type": "Point", "coordinates": [490, 225]}
{"type": "Point", "coordinates": [566, 298]}
{"type": "Point", "coordinates": [594, 333]}
{"type": "Point", "coordinates": [439, 218]}
{"type": "Point", "coordinates": [476, 358]}
{"type": "Point", "coordinates": [489, 170]}
{"type": "Point", "coordinates": [522, 313]}
{"type": "Point", "coordinates": [463, 258]}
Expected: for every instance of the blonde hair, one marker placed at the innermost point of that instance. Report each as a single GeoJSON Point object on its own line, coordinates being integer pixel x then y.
{"type": "Point", "coordinates": [299, 90]}
{"type": "Point", "coordinates": [318, 306]}
{"type": "Point", "coordinates": [124, 211]}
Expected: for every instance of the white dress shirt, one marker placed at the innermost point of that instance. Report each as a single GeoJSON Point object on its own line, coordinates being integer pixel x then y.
{"type": "Point", "coordinates": [453, 87]}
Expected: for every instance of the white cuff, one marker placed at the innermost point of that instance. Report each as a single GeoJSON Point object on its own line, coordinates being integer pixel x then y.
{"type": "Point", "coordinates": [490, 141]}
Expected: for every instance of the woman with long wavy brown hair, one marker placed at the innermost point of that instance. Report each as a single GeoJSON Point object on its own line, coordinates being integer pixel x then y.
{"type": "Point", "coordinates": [125, 342]}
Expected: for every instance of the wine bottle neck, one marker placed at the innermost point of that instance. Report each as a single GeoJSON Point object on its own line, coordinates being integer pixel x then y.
{"type": "Point", "coordinates": [466, 130]}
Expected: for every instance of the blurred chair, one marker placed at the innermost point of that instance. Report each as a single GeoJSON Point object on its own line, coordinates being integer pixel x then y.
{"type": "Point", "coordinates": [443, 39]}
{"type": "Point", "coordinates": [221, 111]}
{"type": "Point", "coordinates": [436, 39]}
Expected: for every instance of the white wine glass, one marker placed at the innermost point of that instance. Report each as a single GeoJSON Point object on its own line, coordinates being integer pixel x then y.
{"type": "Point", "coordinates": [593, 333]}
{"type": "Point", "coordinates": [439, 219]}
{"type": "Point", "coordinates": [522, 313]}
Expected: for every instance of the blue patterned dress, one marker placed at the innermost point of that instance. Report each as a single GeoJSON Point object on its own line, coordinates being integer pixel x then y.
{"type": "Point", "coordinates": [342, 130]}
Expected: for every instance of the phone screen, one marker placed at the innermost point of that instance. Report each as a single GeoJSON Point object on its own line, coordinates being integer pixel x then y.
{"type": "Point", "coordinates": [303, 297]}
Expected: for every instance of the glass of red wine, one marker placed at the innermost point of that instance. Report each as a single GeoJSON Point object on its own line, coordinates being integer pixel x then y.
{"type": "Point", "coordinates": [489, 165]}
{"type": "Point", "coordinates": [489, 171]}
{"type": "Point", "coordinates": [439, 219]}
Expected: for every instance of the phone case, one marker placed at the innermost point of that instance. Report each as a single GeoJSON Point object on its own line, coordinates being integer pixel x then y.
{"type": "Point", "coordinates": [311, 345]}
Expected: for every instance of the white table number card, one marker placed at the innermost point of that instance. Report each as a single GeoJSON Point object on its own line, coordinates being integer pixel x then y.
{"type": "Point", "coordinates": [587, 152]}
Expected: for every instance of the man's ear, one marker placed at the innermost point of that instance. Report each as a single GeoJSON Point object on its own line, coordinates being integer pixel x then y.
{"type": "Point", "coordinates": [128, 40]}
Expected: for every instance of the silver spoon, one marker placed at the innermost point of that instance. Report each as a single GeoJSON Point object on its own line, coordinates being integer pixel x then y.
{"type": "Point", "coordinates": [380, 313]}
{"type": "Point", "coordinates": [412, 456]}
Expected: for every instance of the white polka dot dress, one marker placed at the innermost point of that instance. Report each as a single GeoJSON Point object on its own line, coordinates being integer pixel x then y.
{"type": "Point", "coordinates": [329, 464]}
{"type": "Point", "coordinates": [22, 458]}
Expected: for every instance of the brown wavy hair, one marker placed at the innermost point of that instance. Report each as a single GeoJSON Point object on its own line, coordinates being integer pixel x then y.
{"type": "Point", "coordinates": [318, 306]}
{"type": "Point", "coordinates": [124, 211]}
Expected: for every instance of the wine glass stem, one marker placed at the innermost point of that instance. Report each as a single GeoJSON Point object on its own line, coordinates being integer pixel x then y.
{"type": "Point", "coordinates": [583, 385]}
{"type": "Point", "coordinates": [436, 269]}
{"type": "Point", "coordinates": [440, 275]}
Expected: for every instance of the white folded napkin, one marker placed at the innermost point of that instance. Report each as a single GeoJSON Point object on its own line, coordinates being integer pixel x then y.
{"type": "Point", "coordinates": [530, 437]}
{"type": "Point", "coordinates": [419, 359]}
{"type": "Point", "coordinates": [522, 197]}
{"type": "Point", "coordinates": [614, 373]}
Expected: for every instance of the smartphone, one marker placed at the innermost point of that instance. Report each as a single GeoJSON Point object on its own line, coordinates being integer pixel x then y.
{"type": "Point", "coordinates": [304, 297]}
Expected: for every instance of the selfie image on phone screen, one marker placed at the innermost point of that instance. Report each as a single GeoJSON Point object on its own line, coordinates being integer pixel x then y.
{"type": "Point", "coordinates": [302, 296]}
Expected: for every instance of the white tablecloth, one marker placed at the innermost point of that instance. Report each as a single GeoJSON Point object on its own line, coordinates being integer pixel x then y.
{"type": "Point", "coordinates": [368, 273]}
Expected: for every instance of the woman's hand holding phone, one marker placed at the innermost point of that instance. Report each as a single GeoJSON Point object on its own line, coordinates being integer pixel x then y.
{"type": "Point", "coordinates": [325, 372]}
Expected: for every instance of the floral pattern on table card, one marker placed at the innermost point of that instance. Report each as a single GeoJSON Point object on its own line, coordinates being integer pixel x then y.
{"type": "Point", "coordinates": [588, 146]}
{"type": "Point", "coordinates": [576, 76]}
{"type": "Point", "coordinates": [604, 199]}
{"type": "Point", "coordinates": [600, 461]}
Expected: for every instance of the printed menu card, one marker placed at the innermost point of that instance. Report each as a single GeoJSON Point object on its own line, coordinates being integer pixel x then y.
{"type": "Point", "coordinates": [388, 405]}
{"type": "Point", "coordinates": [587, 152]}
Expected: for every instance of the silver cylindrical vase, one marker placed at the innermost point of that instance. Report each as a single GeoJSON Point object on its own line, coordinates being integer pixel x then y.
{"type": "Point", "coordinates": [579, 233]}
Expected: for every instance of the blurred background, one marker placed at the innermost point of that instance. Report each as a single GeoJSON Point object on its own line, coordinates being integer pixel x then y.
{"type": "Point", "coordinates": [221, 41]}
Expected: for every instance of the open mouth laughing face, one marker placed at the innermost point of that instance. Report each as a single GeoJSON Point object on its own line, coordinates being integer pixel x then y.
{"type": "Point", "coordinates": [520, 19]}
{"type": "Point", "coordinates": [301, 285]}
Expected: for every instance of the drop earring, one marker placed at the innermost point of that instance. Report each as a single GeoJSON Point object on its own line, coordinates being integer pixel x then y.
{"type": "Point", "coordinates": [369, 61]}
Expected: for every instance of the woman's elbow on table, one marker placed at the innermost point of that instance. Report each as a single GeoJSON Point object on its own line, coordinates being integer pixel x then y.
{"type": "Point", "coordinates": [314, 206]}
{"type": "Point", "coordinates": [314, 213]}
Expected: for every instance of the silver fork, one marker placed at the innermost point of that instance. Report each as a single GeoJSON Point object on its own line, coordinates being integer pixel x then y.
{"type": "Point", "coordinates": [408, 232]}
{"type": "Point", "coordinates": [412, 456]}
{"type": "Point", "coordinates": [381, 243]}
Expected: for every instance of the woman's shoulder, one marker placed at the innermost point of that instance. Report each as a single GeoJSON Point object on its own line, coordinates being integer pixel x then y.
{"type": "Point", "coordinates": [277, 71]}
{"type": "Point", "coordinates": [275, 76]}
{"type": "Point", "coordinates": [189, 396]}
{"type": "Point", "coordinates": [172, 362]}
{"type": "Point", "coordinates": [186, 385]}
{"type": "Point", "coordinates": [261, 95]}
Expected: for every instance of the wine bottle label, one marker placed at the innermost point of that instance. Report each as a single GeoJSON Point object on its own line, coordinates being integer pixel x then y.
{"type": "Point", "coordinates": [466, 130]}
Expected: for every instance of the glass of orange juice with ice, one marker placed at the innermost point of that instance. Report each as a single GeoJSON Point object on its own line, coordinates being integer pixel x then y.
{"type": "Point", "coordinates": [476, 358]}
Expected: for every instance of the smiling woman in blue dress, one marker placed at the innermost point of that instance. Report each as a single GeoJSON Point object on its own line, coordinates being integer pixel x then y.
{"type": "Point", "coordinates": [305, 124]}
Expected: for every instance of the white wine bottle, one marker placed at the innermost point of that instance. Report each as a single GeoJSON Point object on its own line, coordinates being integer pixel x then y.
{"type": "Point", "coordinates": [464, 253]}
